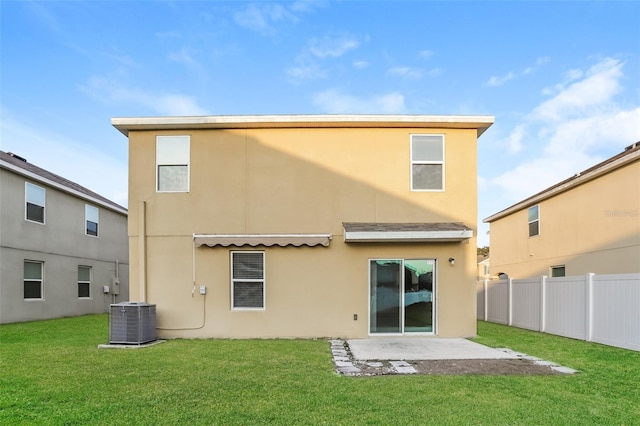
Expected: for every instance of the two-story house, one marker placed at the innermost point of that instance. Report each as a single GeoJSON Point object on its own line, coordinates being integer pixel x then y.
{"type": "Point", "coordinates": [63, 248]}
{"type": "Point", "coordinates": [304, 225]}
{"type": "Point", "coordinates": [589, 222]}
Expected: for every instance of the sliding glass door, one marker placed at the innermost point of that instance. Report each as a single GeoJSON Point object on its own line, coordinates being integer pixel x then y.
{"type": "Point", "coordinates": [401, 296]}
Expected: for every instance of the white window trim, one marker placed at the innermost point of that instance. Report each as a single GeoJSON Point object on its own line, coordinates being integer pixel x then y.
{"type": "Point", "coordinates": [188, 163]}
{"type": "Point", "coordinates": [428, 162]}
{"type": "Point", "coordinates": [263, 281]}
{"type": "Point", "coordinates": [44, 212]}
{"type": "Point", "coordinates": [86, 282]}
{"type": "Point", "coordinates": [33, 299]}
{"type": "Point", "coordinates": [529, 222]}
{"type": "Point", "coordinates": [86, 219]}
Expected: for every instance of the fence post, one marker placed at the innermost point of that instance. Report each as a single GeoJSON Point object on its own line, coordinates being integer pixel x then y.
{"type": "Point", "coordinates": [486, 301]}
{"type": "Point", "coordinates": [589, 308]}
{"type": "Point", "coordinates": [510, 302]}
{"type": "Point", "coordinates": [543, 308]}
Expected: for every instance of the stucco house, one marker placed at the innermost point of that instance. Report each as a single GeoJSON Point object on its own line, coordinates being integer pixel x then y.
{"type": "Point", "coordinates": [589, 222]}
{"type": "Point", "coordinates": [304, 225]}
{"type": "Point", "coordinates": [63, 248]}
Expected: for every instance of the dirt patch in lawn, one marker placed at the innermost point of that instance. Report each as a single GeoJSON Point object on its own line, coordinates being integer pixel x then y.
{"type": "Point", "coordinates": [519, 367]}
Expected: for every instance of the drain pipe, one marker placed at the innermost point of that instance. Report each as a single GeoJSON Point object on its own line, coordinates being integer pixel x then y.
{"type": "Point", "coordinates": [142, 251]}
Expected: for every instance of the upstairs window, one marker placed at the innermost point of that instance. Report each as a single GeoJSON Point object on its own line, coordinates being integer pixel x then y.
{"type": "Point", "coordinates": [172, 163]}
{"type": "Point", "coordinates": [558, 271]}
{"type": "Point", "coordinates": [247, 280]}
{"type": "Point", "coordinates": [32, 280]}
{"type": "Point", "coordinates": [84, 282]}
{"type": "Point", "coordinates": [34, 202]}
{"type": "Point", "coordinates": [533, 217]}
{"type": "Point", "coordinates": [92, 218]}
{"type": "Point", "coordinates": [427, 162]}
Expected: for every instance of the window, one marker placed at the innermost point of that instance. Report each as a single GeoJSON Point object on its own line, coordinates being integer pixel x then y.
{"type": "Point", "coordinates": [534, 221]}
{"type": "Point", "coordinates": [558, 271]}
{"type": "Point", "coordinates": [247, 280]}
{"type": "Point", "coordinates": [84, 281]}
{"type": "Point", "coordinates": [92, 218]}
{"type": "Point", "coordinates": [172, 163]}
{"type": "Point", "coordinates": [427, 162]}
{"type": "Point", "coordinates": [32, 280]}
{"type": "Point", "coordinates": [34, 202]}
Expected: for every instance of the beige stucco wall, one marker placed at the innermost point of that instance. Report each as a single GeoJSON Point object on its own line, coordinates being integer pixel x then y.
{"type": "Point", "coordinates": [594, 227]}
{"type": "Point", "coordinates": [294, 181]}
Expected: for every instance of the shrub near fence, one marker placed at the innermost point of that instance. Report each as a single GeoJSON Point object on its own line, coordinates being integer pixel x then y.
{"type": "Point", "coordinates": [595, 308]}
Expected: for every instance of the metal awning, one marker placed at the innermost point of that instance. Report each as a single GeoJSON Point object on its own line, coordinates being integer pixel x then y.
{"type": "Point", "coordinates": [267, 240]}
{"type": "Point", "coordinates": [356, 232]}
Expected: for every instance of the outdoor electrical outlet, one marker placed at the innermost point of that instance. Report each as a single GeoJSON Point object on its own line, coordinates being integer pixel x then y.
{"type": "Point", "coordinates": [203, 289]}
{"type": "Point", "coordinates": [355, 317]}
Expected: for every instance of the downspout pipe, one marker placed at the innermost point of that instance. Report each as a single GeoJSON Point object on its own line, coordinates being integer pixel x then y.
{"type": "Point", "coordinates": [142, 251]}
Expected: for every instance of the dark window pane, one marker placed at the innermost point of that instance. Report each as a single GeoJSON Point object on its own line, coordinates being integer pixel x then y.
{"type": "Point", "coordinates": [248, 266]}
{"type": "Point", "coordinates": [33, 290]}
{"type": "Point", "coordinates": [427, 176]}
{"type": "Point", "coordinates": [92, 228]}
{"type": "Point", "coordinates": [35, 213]}
{"type": "Point", "coordinates": [558, 271]}
{"type": "Point", "coordinates": [248, 295]}
{"type": "Point", "coordinates": [533, 229]}
{"type": "Point", "coordinates": [84, 290]}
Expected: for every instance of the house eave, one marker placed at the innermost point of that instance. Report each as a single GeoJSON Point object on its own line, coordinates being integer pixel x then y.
{"type": "Point", "coordinates": [126, 124]}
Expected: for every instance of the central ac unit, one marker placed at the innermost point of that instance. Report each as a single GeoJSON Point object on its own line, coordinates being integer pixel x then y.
{"type": "Point", "coordinates": [132, 323]}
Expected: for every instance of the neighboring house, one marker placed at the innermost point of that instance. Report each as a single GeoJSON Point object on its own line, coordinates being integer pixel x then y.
{"type": "Point", "coordinates": [63, 248]}
{"type": "Point", "coordinates": [483, 267]}
{"type": "Point", "coordinates": [304, 226]}
{"type": "Point", "coordinates": [587, 223]}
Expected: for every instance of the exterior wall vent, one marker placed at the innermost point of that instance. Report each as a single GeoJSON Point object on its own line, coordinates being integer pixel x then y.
{"type": "Point", "coordinates": [132, 323]}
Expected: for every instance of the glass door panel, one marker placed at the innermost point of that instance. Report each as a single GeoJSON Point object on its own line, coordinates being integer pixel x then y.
{"type": "Point", "coordinates": [418, 295]}
{"type": "Point", "coordinates": [385, 296]}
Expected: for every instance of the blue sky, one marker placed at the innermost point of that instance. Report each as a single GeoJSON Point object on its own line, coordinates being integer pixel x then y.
{"type": "Point", "coordinates": [561, 78]}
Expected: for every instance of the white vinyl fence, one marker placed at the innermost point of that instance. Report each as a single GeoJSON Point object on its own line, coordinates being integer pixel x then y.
{"type": "Point", "coordinates": [596, 308]}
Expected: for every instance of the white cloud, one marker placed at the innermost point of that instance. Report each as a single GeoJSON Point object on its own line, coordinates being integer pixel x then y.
{"type": "Point", "coordinates": [77, 161]}
{"type": "Point", "coordinates": [496, 81]}
{"type": "Point", "coordinates": [109, 89]}
{"type": "Point", "coordinates": [570, 131]}
{"type": "Point", "coordinates": [406, 72]}
{"type": "Point", "coordinates": [333, 101]}
{"type": "Point", "coordinates": [263, 17]}
{"type": "Point", "coordinates": [425, 54]}
{"type": "Point", "coordinates": [332, 46]}
{"type": "Point", "coordinates": [360, 64]}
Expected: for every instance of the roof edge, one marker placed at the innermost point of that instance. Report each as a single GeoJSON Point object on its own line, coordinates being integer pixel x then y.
{"type": "Point", "coordinates": [126, 124]}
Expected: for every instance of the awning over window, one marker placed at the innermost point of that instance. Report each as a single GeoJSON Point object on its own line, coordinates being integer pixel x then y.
{"type": "Point", "coordinates": [267, 240]}
{"type": "Point", "coordinates": [405, 232]}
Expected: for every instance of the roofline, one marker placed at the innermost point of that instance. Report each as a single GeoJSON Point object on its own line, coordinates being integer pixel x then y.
{"type": "Point", "coordinates": [628, 156]}
{"type": "Point", "coordinates": [126, 124]}
{"type": "Point", "coordinates": [34, 176]}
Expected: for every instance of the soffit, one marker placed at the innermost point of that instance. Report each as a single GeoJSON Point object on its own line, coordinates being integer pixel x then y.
{"type": "Point", "coordinates": [355, 232]}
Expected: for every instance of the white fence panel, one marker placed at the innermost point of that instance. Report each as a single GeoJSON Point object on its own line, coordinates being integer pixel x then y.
{"type": "Point", "coordinates": [616, 313]}
{"type": "Point", "coordinates": [525, 303]}
{"type": "Point", "coordinates": [566, 307]}
{"type": "Point", "coordinates": [498, 301]}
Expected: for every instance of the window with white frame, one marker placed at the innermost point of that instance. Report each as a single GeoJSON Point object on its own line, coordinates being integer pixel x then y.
{"type": "Point", "coordinates": [247, 280]}
{"type": "Point", "coordinates": [33, 279]}
{"type": "Point", "coordinates": [84, 282]}
{"type": "Point", "coordinates": [533, 218]}
{"type": "Point", "coordinates": [427, 162]}
{"type": "Point", "coordinates": [92, 219]}
{"type": "Point", "coordinates": [172, 163]}
{"type": "Point", "coordinates": [34, 202]}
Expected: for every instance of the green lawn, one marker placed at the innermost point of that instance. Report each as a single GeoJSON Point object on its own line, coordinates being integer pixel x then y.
{"type": "Point", "coordinates": [52, 372]}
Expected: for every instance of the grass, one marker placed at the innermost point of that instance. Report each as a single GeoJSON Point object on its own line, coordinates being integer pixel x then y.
{"type": "Point", "coordinates": [52, 373]}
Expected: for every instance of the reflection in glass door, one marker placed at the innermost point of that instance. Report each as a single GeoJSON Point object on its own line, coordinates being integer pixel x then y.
{"type": "Point", "coordinates": [401, 296]}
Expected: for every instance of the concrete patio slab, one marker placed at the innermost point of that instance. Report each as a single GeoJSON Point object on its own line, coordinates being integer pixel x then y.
{"type": "Point", "coordinates": [422, 348]}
